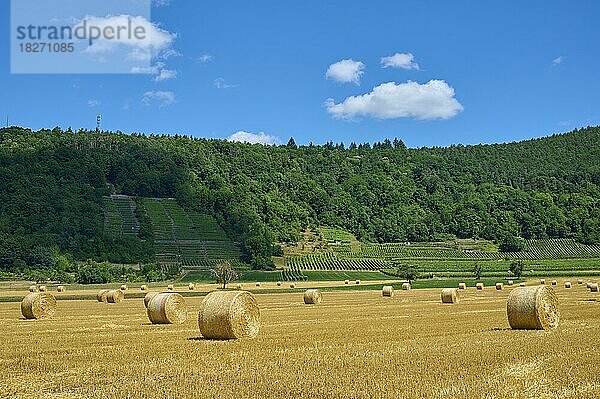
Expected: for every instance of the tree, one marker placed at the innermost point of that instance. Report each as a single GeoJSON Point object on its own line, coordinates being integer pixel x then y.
{"type": "Point", "coordinates": [224, 273]}
{"type": "Point", "coordinates": [408, 272]}
{"type": "Point", "coordinates": [510, 243]}
{"type": "Point", "coordinates": [516, 268]}
{"type": "Point", "coordinates": [477, 269]}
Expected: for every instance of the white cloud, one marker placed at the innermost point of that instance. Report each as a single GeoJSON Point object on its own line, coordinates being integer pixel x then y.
{"type": "Point", "coordinates": [205, 58]}
{"type": "Point", "coordinates": [165, 74]}
{"type": "Point", "coordinates": [161, 3]}
{"type": "Point", "coordinates": [154, 41]}
{"type": "Point", "coordinates": [253, 138]}
{"type": "Point", "coordinates": [162, 98]}
{"type": "Point", "coordinates": [346, 71]}
{"type": "Point", "coordinates": [92, 103]}
{"type": "Point", "coordinates": [400, 60]}
{"type": "Point", "coordinates": [158, 70]}
{"type": "Point", "coordinates": [558, 60]}
{"type": "Point", "coordinates": [220, 83]}
{"type": "Point", "coordinates": [432, 100]}
{"type": "Point", "coordinates": [168, 53]}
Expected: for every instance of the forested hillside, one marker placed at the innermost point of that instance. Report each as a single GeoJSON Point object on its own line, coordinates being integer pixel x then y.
{"type": "Point", "coordinates": [53, 183]}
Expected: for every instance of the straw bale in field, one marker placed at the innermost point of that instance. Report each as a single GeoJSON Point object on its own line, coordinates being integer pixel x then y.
{"type": "Point", "coordinates": [388, 291]}
{"type": "Point", "coordinates": [479, 286]}
{"type": "Point", "coordinates": [115, 296]}
{"type": "Point", "coordinates": [167, 308]}
{"type": "Point", "coordinates": [594, 287]}
{"type": "Point", "coordinates": [532, 308]}
{"type": "Point", "coordinates": [499, 286]}
{"type": "Point", "coordinates": [346, 282]}
{"type": "Point", "coordinates": [144, 287]}
{"type": "Point", "coordinates": [38, 305]}
{"type": "Point", "coordinates": [102, 295]}
{"type": "Point", "coordinates": [312, 297]}
{"type": "Point", "coordinates": [229, 315]}
{"type": "Point", "coordinates": [554, 282]}
{"type": "Point", "coordinates": [292, 285]}
{"type": "Point", "coordinates": [170, 287]}
{"type": "Point", "coordinates": [148, 298]}
{"type": "Point", "coordinates": [191, 286]}
{"type": "Point", "coordinates": [567, 284]}
{"type": "Point", "coordinates": [124, 287]}
{"type": "Point", "coordinates": [42, 288]}
{"type": "Point", "coordinates": [406, 286]}
{"type": "Point", "coordinates": [60, 288]}
{"type": "Point", "coordinates": [462, 286]}
{"type": "Point", "coordinates": [450, 295]}
{"type": "Point", "coordinates": [33, 288]}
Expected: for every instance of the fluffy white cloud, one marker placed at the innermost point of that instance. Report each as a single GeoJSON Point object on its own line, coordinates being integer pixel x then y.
{"type": "Point", "coordinates": [162, 98]}
{"type": "Point", "coordinates": [253, 138]}
{"type": "Point", "coordinates": [165, 74]}
{"type": "Point", "coordinates": [400, 60]}
{"type": "Point", "coordinates": [558, 60]}
{"type": "Point", "coordinates": [432, 100]}
{"type": "Point", "coordinates": [346, 71]}
{"type": "Point", "coordinates": [221, 83]}
{"type": "Point", "coordinates": [158, 70]}
{"type": "Point", "coordinates": [205, 58]}
{"type": "Point", "coordinates": [153, 41]}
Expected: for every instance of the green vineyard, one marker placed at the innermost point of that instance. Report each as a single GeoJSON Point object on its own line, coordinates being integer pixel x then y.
{"type": "Point", "coordinates": [119, 217]}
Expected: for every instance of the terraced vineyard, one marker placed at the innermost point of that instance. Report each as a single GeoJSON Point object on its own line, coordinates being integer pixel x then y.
{"type": "Point", "coordinates": [119, 217]}
{"type": "Point", "coordinates": [188, 238]}
{"type": "Point", "coordinates": [335, 235]}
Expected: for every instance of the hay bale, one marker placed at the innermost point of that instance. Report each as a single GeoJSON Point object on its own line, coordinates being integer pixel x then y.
{"type": "Point", "coordinates": [406, 286]}
{"type": "Point", "coordinates": [450, 295]}
{"type": "Point", "coordinates": [292, 285]}
{"type": "Point", "coordinates": [499, 286]}
{"type": "Point", "coordinates": [554, 282]}
{"type": "Point", "coordinates": [279, 283]}
{"type": "Point", "coordinates": [522, 285]}
{"type": "Point", "coordinates": [462, 286]}
{"type": "Point", "coordinates": [588, 285]}
{"type": "Point", "coordinates": [239, 286]}
{"type": "Point", "coordinates": [60, 288]}
{"type": "Point", "coordinates": [102, 295]}
{"type": "Point", "coordinates": [388, 291]}
{"type": "Point", "coordinates": [148, 298]}
{"type": "Point", "coordinates": [144, 287]}
{"type": "Point", "coordinates": [167, 308]}
{"type": "Point", "coordinates": [532, 308]}
{"type": "Point", "coordinates": [229, 315]}
{"type": "Point", "coordinates": [510, 282]}
{"type": "Point", "coordinates": [580, 281]}
{"type": "Point", "coordinates": [170, 287]}
{"type": "Point", "coordinates": [114, 296]}
{"type": "Point", "coordinates": [543, 281]}
{"type": "Point", "coordinates": [594, 288]}
{"type": "Point", "coordinates": [346, 282]}
{"type": "Point", "coordinates": [257, 284]}
{"type": "Point", "coordinates": [479, 286]}
{"type": "Point", "coordinates": [357, 281]}
{"type": "Point", "coordinates": [191, 286]}
{"type": "Point", "coordinates": [123, 287]}
{"type": "Point", "coordinates": [312, 297]}
{"type": "Point", "coordinates": [567, 284]}
{"type": "Point", "coordinates": [42, 288]}
{"type": "Point", "coordinates": [38, 305]}
{"type": "Point", "coordinates": [33, 288]}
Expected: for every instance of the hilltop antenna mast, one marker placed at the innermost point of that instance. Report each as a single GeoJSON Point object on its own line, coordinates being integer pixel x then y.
{"type": "Point", "coordinates": [98, 120]}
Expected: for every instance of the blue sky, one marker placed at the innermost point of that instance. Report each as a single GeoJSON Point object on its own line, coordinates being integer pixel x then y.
{"type": "Point", "coordinates": [487, 72]}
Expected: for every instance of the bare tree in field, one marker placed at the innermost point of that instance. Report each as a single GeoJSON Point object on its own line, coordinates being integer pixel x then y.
{"type": "Point", "coordinates": [224, 273]}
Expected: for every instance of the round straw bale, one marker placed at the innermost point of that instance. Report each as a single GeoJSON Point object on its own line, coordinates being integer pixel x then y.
{"type": "Point", "coordinates": [42, 288]}
{"type": "Point", "coordinates": [124, 287]}
{"type": "Point", "coordinates": [102, 295]}
{"type": "Point", "coordinates": [554, 282]}
{"type": "Point", "coordinates": [357, 281]}
{"type": "Point", "coordinates": [588, 285]}
{"type": "Point", "coordinates": [479, 286]}
{"type": "Point", "coordinates": [312, 297]}
{"type": "Point", "coordinates": [170, 287]}
{"type": "Point", "coordinates": [406, 286]}
{"type": "Point", "coordinates": [191, 286]}
{"type": "Point", "coordinates": [522, 285]}
{"type": "Point", "coordinates": [292, 285]}
{"type": "Point", "coordinates": [167, 308]}
{"type": "Point", "coordinates": [594, 287]}
{"type": "Point", "coordinates": [229, 315]}
{"type": "Point", "coordinates": [60, 288]}
{"type": "Point", "coordinates": [257, 284]}
{"type": "Point", "coordinates": [38, 305]}
{"type": "Point", "coordinates": [543, 281]}
{"type": "Point", "coordinates": [462, 286]}
{"type": "Point", "coordinates": [148, 298]}
{"type": "Point", "coordinates": [279, 283]}
{"type": "Point", "coordinates": [239, 286]}
{"type": "Point", "coordinates": [532, 308]}
{"type": "Point", "coordinates": [144, 287]}
{"type": "Point", "coordinates": [499, 286]}
{"type": "Point", "coordinates": [388, 291]}
{"type": "Point", "coordinates": [580, 281]}
{"type": "Point", "coordinates": [567, 284]}
{"type": "Point", "coordinates": [33, 288]}
{"type": "Point", "coordinates": [114, 296]}
{"type": "Point", "coordinates": [510, 282]}
{"type": "Point", "coordinates": [450, 295]}
{"type": "Point", "coordinates": [346, 282]}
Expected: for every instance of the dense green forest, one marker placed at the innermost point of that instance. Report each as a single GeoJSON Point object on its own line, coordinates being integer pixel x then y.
{"type": "Point", "coordinates": [53, 182]}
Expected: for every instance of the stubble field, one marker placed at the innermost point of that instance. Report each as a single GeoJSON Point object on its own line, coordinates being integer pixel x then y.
{"type": "Point", "coordinates": [356, 344]}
